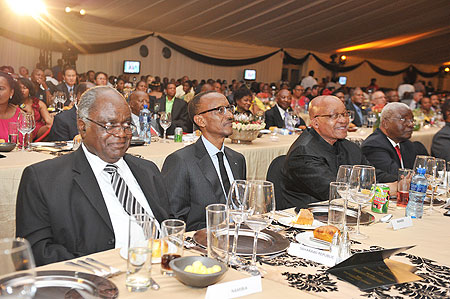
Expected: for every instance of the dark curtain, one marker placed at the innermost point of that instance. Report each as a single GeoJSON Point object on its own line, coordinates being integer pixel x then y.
{"type": "Point", "coordinates": [288, 59]}
{"type": "Point", "coordinates": [215, 61]}
{"type": "Point", "coordinates": [336, 67]}
{"type": "Point", "coordinates": [386, 72]}
{"type": "Point", "coordinates": [424, 74]}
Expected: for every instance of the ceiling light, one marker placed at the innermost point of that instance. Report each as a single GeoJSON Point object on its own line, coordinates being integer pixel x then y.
{"type": "Point", "coordinates": [343, 58]}
{"type": "Point", "coordinates": [27, 7]}
{"type": "Point", "coordinates": [447, 69]}
{"type": "Point", "coordinates": [68, 9]}
{"type": "Point", "coordinates": [82, 12]}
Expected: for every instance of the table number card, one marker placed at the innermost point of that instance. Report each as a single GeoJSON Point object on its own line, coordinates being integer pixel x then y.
{"type": "Point", "coordinates": [235, 288]}
{"type": "Point", "coordinates": [400, 223]}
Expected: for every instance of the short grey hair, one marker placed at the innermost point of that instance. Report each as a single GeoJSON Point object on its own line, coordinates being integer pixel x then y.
{"type": "Point", "coordinates": [391, 108]}
{"type": "Point", "coordinates": [88, 98]}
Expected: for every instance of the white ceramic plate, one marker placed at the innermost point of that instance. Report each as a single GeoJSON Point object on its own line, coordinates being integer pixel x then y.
{"type": "Point", "coordinates": [305, 239]}
{"type": "Point", "coordinates": [265, 131]}
{"type": "Point", "coordinates": [288, 222]}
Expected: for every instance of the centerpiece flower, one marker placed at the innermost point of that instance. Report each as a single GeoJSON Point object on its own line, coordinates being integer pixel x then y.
{"type": "Point", "coordinates": [246, 128]}
{"type": "Point", "coordinates": [377, 110]}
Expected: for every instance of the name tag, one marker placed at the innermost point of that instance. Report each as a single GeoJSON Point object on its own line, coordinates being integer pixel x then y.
{"type": "Point", "coordinates": [401, 223]}
{"type": "Point", "coordinates": [313, 254]}
{"type": "Point", "coordinates": [234, 289]}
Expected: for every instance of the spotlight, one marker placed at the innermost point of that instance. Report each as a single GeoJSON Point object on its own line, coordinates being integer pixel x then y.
{"type": "Point", "coordinates": [82, 12]}
{"type": "Point", "coordinates": [343, 58]}
{"type": "Point", "coordinates": [447, 69]}
{"type": "Point", "coordinates": [27, 7]}
{"type": "Point", "coordinates": [68, 9]}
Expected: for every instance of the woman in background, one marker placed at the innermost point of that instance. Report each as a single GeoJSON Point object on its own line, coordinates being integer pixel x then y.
{"type": "Point", "coordinates": [10, 97]}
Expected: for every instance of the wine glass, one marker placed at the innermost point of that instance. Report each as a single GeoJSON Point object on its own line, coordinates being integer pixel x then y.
{"type": "Point", "coordinates": [372, 118]}
{"type": "Point", "coordinates": [362, 181]}
{"type": "Point", "coordinates": [237, 204]}
{"type": "Point", "coordinates": [439, 171]}
{"type": "Point", "coordinates": [17, 262]}
{"type": "Point", "coordinates": [421, 161]}
{"type": "Point", "coordinates": [165, 122]}
{"type": "Point", "coordinates": [344, 172]}
{"type": "Point", "coordinates": [351, 115]}
{"type": "Point", "coordinates": [28, 135]}
{"type": "Point", "coordinates": [261, 202]}
{"type": "Point", "coordinates": [26, 125]}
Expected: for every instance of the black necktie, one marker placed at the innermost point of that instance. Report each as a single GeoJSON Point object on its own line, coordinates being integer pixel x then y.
{"type": "Point", "coordinates": [223, 173]}
{"type": "Point", "coordinates": [123, 193]}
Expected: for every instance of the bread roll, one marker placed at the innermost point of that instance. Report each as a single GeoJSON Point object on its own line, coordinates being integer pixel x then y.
{"type": "Point", "coordinates": [326, 232]}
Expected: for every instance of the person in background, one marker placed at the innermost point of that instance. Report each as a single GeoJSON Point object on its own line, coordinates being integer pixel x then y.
{"type": "Point", "coordinates": [31, 104]}
{"type": "Point", "coordinates": [378, 98]}
{"type": "Point", "coordinates": [243, 98]}
{"type": "Point", "coordinates": [309, 81]}
{"type": "Point", "coordinates": [100, 79]}
{"type": "Point", "coordinates": [188, 91]}
{"type": "Point", "coordinates": [357, 98]}
{"type": "Point", "coordinates": [120, 85]}
{"type": "Point", "coordinates": [298, 99]}
{"type": "Point", "coordinates": [51, 82]}
{"type": "Point", "coordinates": [177, 108]}
{"type": "Point", "coordinates": [42, 91]}
{"type": "Point", "coordinates": [68, 85]}
{"type": "Point", "coordinates": [373, 85]}
{"type": "Point", "coordinates": [340, 95]}
{"type": "Point", "coordinates": [10, 98]}
{"type": "Point", "coordinates": [90, 76]}
{"type": "Point", "coordinates": [276, 117]}
{"type": "Point", "coordinates": [435, 103]}
{"type": "Point", "coordinates": [392, 96]}
{"type": "Point", "coordinates": [426, 109]}
{"type": "Point", "coordinates": [440, 148]}
{"type": "Point", "coordinates": [314, 92]}
{"type": "Point", "coordinates": [141, 86]}
{"type": "Point", "coordinates": [23, 72]}
{"type": "Point", "coordinates": [137, 101]}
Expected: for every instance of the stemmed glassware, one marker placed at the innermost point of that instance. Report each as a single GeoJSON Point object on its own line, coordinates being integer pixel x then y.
{"type": "Point", "coordinates": [261, 201]}
{"type": "Point", "coordinates": [343, 176]}
{"type": "Point", "coordinates": [237, 204]}
{"type": "Point", "coordinates": [165, 120]}
{"type": "Point", "coordinates": [351, 115]}
{"type": "Point", "coordinates": [438, 177]}
{"type": "Point", "coordinates": [362, 181]}
{"type": "Point", "coordinates": [26, 125]}
{"type": "Point", "coordinates": [372, 118]}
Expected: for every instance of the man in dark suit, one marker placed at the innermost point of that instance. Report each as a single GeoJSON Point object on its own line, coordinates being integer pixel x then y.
{"type": "Point", "coordinates": [80, 203]}
{"type": "Point", "coordinates": [440, 148]}
{"type": "Point", "coordinates": [201, 174]}
{"type": "Point", "coordinates": [356, 100]}
{"type": "Point", "coordinates": [177, 108]}
{"type": "Point", "coordinates": [389, 147]}
{"type": "Point", "coordinates": [68, 85]}
{"type": "Point", "coordinates": [65, 123]}
{"type": "Point", "coordinates": [313, 160]}
{"type": "Point", "coordinates": [276, 116]}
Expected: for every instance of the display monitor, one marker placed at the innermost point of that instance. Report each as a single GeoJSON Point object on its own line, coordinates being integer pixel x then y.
{"type": "Point", "coordinates": [342, 80]}
{"type": "Point", "coordinates": [131, 67]}
{"type": "Point", "coordinates": [249, 75]}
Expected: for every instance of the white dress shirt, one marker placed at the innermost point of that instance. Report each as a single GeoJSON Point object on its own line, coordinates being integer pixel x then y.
{"type": "Point", "coordinates": [212, 152]}
{"type": "Point", "coordinates": [394, 144]}
{"type": "Point", "coordinates": [135, 119]}
{"type": "Point", "coordinates": [119, 218]}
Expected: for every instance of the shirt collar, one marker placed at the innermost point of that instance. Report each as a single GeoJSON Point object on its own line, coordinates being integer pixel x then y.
{"type": "Point", "coordinates": [394, 144]}
{"type": "Point", "coordinates": [210, 148]}
{"type": "Point", "coordinates": [97, 164]}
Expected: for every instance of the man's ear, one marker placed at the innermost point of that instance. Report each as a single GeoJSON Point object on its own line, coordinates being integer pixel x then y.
{"type": "Point", "coordinates": [199, 121]}
{"type": "Point", "coordinates": [314, 123]}
{"type": "Point", "coordinates": [81, 127]}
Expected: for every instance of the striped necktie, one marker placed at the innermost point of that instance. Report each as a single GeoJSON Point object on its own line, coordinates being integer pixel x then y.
{"type": "Point", "coordinates": [123, 193]}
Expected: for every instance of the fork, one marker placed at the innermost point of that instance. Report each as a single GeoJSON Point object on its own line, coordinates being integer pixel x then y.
{"type": "Point", "coordinates": [112, 270]}
{"type": "Point", "coordinates": [96, 272]}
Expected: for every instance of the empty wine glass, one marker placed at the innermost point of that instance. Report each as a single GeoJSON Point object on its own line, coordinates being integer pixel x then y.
{"type": "Point", "coordinates": [421, 161]}
{"type": "Point", "coordinates": [362, 181]}
{"type": "Point", "coordinates": [351, 115]}
{"type": "Point", "coordinates": [26, 125]}
{"type": "Point", "coordinates": [17, 264]}
{"type": "Point", "coordinates": [165, 121]}
{"type": "Point", "coordinates": [261, 201]}
{"type": "Point", "coordinates": [438, 178]}
{"type": "Point", "coordinates": [237, 204]}
{"type": "Point", "coordinates": [344, 172]}
{"type": "Point", "coordinates": [372, 118]}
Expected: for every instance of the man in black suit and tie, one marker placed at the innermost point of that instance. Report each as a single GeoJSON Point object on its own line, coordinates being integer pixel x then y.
{"type": "Point", "coordinates": [313, 160]}
{"type": "Point", "coordinates": [65, 123]}
{"type": "Point", "coordinates": [389, 147]}
{"type": "Point", "coordinates": [177, 108]}
{"type": "Point", "coordinates": [356, 100]}
{"type": "Point", "coordinates": [68, 85]}
{"type": "Point", "coordinates": [276, 116]}
{"type": "Point", "coordinates": [201, 174]}
{"type": "Point", "coordinates": [80, 203]}
{"type": "Point", "coordinates": [440, 148]}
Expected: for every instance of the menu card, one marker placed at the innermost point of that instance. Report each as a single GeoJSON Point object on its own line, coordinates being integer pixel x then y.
{"type": "Point", "coordinates": [368, 270]}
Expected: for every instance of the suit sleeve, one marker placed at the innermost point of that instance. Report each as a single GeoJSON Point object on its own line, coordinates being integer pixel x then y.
{"type": "Point", "coordinates": [441, 146]}
{"type": "Point", "coordinates": [380, 158]}
{"type": "Point", "coordinates": [33, 221]}
{"type": "Point", "coordinates": [176, 180]}
{"type": "Point", "coordinates": [59, 130]}
{"type": "Point", "coordinates": [269, 119]}
{"type": "Point", "coordinates": [183, 119]}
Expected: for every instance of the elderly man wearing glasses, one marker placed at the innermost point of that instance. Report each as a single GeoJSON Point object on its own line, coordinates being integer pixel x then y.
{"type": "Point", "coordinates": [314, 158]}
{"type": "Point", "coordinates": [80, 203]}
{"type": "Point", "coordinates": [201, 174]}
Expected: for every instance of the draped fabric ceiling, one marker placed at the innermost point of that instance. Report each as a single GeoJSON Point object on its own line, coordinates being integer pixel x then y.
{"type": "Point", "coordinates": [419, 30]}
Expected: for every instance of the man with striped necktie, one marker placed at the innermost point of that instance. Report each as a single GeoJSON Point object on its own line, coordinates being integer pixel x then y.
{"type": "Point", "coordinates": [79, 203]}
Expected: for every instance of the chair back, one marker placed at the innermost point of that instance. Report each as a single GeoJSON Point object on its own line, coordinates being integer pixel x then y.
{"type": "Point", "coordinates": [274, 176]}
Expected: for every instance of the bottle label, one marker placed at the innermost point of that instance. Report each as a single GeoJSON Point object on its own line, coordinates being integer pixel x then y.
{"type": "Point", "coordinates": [418, 187]}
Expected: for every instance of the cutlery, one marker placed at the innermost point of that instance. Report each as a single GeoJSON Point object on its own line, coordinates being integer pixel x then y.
{"type": "Point", "coordinates": [284, 213]}
{"type": "Point", "coordinates": [105, 273]}
{"type": "Point", "coordinates": [113, 271]}
{"type": "Point", "coordinates": [323, 242]}
{"type": "Point", "coordinates": [385, 218]}
{"type": "Point", "coordinates": [96, 272]}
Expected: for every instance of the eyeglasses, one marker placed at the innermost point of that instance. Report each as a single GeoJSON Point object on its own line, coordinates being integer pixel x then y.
{"type": "Point", "coordinates": [404, 120]}
{"type": "Point", "coordinates": [334, 116]}
{"type": "Point", "coordinates": [222, 110]}
{"type": "Point", "coordinates": [115, 129]}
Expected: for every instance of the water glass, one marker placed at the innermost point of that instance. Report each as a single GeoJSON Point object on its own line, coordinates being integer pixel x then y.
{"type": "Point", "coordinates": [403, 183]}
{"type": "Point", "coordinates": [17, 264]}
{"type": "Point", "coordinates": [337, 205]}
{"type": "Point", "coordinates": [141, 232]}
{"type": "Point", "coordinates": [172, 243]}
{"type": "Point", "coordinates": [165, 120]}
{"type": "Point", "coordinates": [13, 131]}
{"type": "Point", "coordinates": [217, 226]}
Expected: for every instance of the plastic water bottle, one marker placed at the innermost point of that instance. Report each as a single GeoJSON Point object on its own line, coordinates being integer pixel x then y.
{"type": "Point", "coordinates": [144, 121]}
{"type": "Point", "coordinates": [417, 193]}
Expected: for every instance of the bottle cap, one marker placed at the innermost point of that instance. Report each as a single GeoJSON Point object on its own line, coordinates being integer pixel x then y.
{"type": "Point", "coordinates": [145, 107]}
{"type": "Point", "coordinates": [421, 170]}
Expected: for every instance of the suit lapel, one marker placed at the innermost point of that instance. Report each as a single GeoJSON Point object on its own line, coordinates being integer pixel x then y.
{"type": "Point", "coordinates": [393, 151]}
{"type": "Point", "coordinates": [87, 182]}
{"type": "Point", "coordinates": [209, 171]}
{"type": "Point", "coordinates": [278, 118]}
{"type": "Point", "coordinates": [235, 167]}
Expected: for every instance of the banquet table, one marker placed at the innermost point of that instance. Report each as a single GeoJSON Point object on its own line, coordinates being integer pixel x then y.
{"type": "Point", "coordinates": [288, 276]}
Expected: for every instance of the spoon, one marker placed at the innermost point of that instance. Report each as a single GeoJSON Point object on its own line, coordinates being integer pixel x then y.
{"type": "Point", "coordinates": [385, 218]}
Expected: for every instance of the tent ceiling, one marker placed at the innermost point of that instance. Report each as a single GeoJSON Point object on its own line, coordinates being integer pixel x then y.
{"type": "Point", "coordinates": [315, 25]}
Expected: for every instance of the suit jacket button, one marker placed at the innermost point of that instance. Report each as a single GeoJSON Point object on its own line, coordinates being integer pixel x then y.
{"type": "Point", "coordinates": [111, 241]}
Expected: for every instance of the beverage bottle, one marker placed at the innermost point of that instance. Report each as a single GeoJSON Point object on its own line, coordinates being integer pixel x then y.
{"type": "Point", "coordinates": [144, 121]}
{"type": "Point", "coordinates": [417, 193]}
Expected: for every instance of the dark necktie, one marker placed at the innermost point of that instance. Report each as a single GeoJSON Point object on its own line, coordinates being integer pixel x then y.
{"type": "Point", "coordinates": [126, 198]}
{"type": "Point", "coordinates": [223, 173]}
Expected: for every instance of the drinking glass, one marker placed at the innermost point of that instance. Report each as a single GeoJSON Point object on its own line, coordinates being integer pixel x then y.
{"type": "Point", "coordinates": [13, 131]}
{"type": "Point", "coordinates": [421, 161]}
{"type": "Point", "coordinates": [344, 172]}
{"type": "Point", "coordinates": [172, 242]}
{"type": "Point", "coordinates": [141, 233]}
{"type": "Point", "coordinates": [217, 227]}
{"type": "Point", "coordinates": [438, 177]}
{"type": "Point", "coordinates": [26, 124]}
{"type": "Point", "coordinates": [362, 181]}
{"type": "Point", "coordinates": [165, 122]}
{"type": "Point", "coordinates": [447, 185]}
{"type": "Point", "coordinates": [28, 137]}
{"type": "Point", "coordinates": [237, 204]}
{"type": "Point", "coordinates": [403, 184]}
{"type": "Point", "coordinates": [261, 200]}
{"type": "Point", "coordinates": [351, 115]}
{"type": "Point", "coordinates": [337, 205]}
{"type": "Point", "coordinates": [17, 264]}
